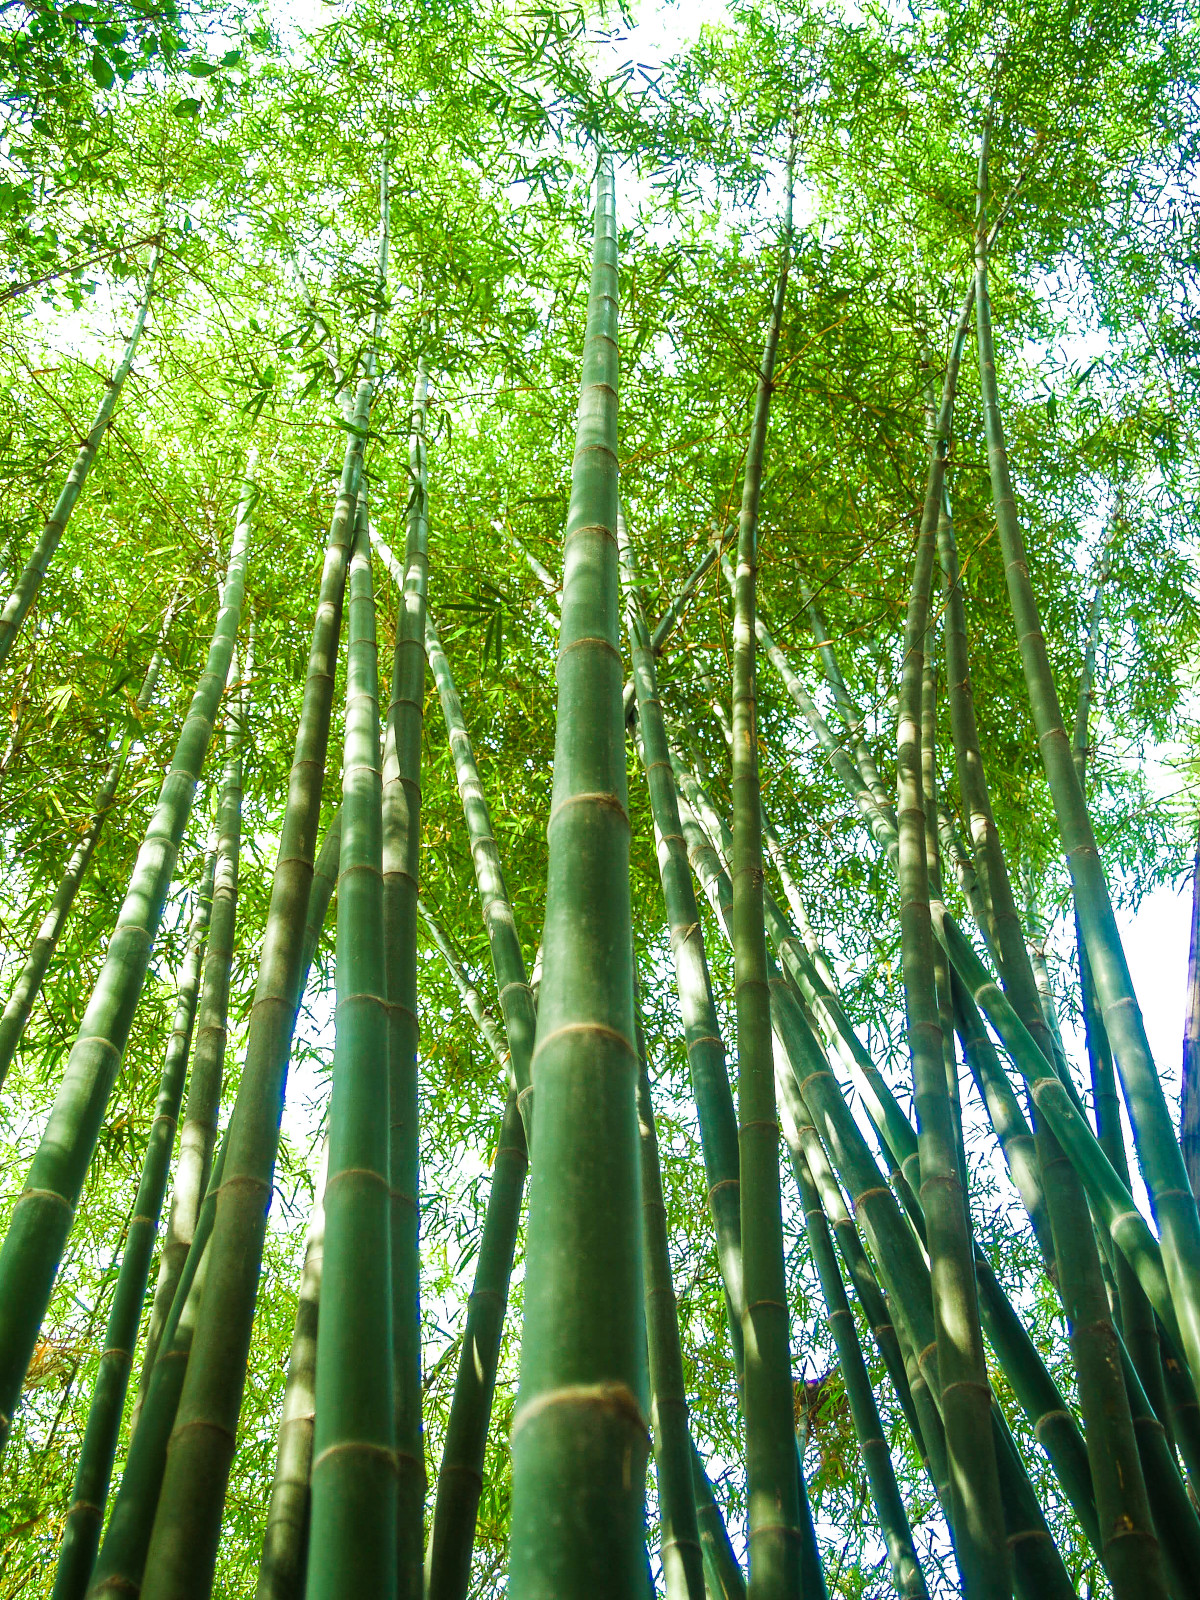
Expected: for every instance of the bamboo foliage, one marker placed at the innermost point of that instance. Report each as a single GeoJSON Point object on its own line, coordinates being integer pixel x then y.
{"type": "Point", "coordinates": [42, 1218]}
{"type": "Point", "coordinates": [580, 1435]}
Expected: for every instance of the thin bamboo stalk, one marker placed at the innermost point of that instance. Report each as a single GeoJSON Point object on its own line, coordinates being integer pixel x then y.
{"type": "Point", "coordinates": [580, 1437]}
{"type": "Point", "coordinates": [679, 1540]}
{"type": "Point", "coordinates": [401, 873]}
{"type": "Point", "coordinates": [352, 1534]}
{"type": "Point", "coordinates": [847, 710]}
{"type": "Point", "coordinates": [772, 1487]}
{"type": "Point", "coordinates": [85, 1513]}
{"type": "Point", "coordinates": [1154, 1136]}
{"type": "Point", "coordinates": [29, 982]}
{"type": "Point", "coordinates": [122, 1557]}
{"type": "Point", "coordinates": [19, 602]}
{"type": "Point", "coordinates": [480, 1013]}
{"type": "Point", "coordinates": [198, 1135]}
{"type": "Point", "coordinates": [183, 1545]}
{"type": "Point", "coordinates": [42, 1217]}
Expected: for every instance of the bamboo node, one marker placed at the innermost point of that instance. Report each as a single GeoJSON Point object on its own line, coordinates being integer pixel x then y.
{"type": "Point", "coordinates": [616, 1398]}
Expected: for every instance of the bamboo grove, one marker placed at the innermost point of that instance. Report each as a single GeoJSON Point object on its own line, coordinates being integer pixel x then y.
{"type": "Point", "coordinates": [599, 643]}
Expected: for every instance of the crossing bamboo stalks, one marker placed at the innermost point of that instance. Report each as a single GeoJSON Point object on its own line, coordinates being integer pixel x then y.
{"type": "Point", "coordinates": [19, 602]}
{"type": "Point", "coordinates": [198, 1135]}
{"type": "Point", "coordinates": [1128, 1545]}
{"type": "Point", "coordinates": [480, 1013]}
{"type": "Point", "coordinates": [29, 982]}
{"type": "Point", "coordinates": [42, 1217]}
{"type": "Point", "coordinates": [1158, 1150]}
{"type": "Point", "coordinates": [120, 1564]}
{"type": "Point", "coordinates": [401, 872]}
{"type": "Point", "coordinates": [892, 1240]}
{"type": "Point", "coordinates": [847, 710]}
{"type": "Point", "coordinates": [187, 1525]}
{"type": "Point", "coordinates": [907, 1577]}
{"type": "Point", "coordinates": [679, 1542]}
{"type": "Point", "coordinates": [772, 1488]}
{"type": "Point", "coordinates": [85, 1514]}
{"type": "Point", "coordinates": [352, 1538]}
{"type": "Point", "coordinates": [285, 1538]}
{"type": "Point", "coordinates": [580, 1437]}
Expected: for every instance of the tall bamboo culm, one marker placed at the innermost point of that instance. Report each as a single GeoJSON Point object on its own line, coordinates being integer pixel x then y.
{"type": "Point", "coordinates": [772, 1483]}
{"type": "Point", "coordinates": [85, 1514]}
{"type": "Point", "coordinates": [401, 875]}
{"type": "Point", "coordinates": [29, 982]}
{"type": "Point", "coordinates": [1158, 1149]}
{"type": "Point", "coordinates": [197, 1137]}
{"type": "Point", "coordinates": [580, 1432]}
{"type": "Point", "coordinates": [42, 1217]}
{"type": "Point", "coordinates": [352, 1540]}
{"type": "Point", "coordinates": [19, 602]}
{"type": "Point", "coordinates": [183, 1545]}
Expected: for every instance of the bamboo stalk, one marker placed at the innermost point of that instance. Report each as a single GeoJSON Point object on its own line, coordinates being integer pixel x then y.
{"type": "Point", "coordinates": [183, 1545]}
{"type": "Point", "coordinates": [1154, 1136]}
{"type": "Point", "coordinates": [679, 1542]}
{"type": "Point", "coordinates": [121, 1561]}
{"type": "Point", "coordinates": [580, 1438]}
{"type": "Point", "coordinates": [847, 710]}
{"type": "Point", "coordinates": [29, 982]}
{"type": "Point", "coordinates": [85, 1513]}
{"type": "Point", "coordinates": [401, 873]}
{"type": "Point", "coordinates": [198, 1135]}
{"type": "Point", "coordinates": [19, 602]}
{"type": "Point", "coordinates": [353, 1520]}
{"type": "Point", "coordinates": [42, 1217]}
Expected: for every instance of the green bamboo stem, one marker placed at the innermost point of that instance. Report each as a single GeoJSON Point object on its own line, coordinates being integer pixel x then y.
{"type": "Point", "coordinates": [477, 1009]}
{"type": "Point", "coordinates": [183, 1545]}
{"type": "Point", "coordinates": [29, 982]}
{"type": "Point", "coordinates": [907, 1577]}
{"type": "Point", "coordinates": [352, 1533]}
{"type": "Point", "coordinates": [977, 1518]}
{"type": "Point", "coordinates": [516, 1000]}
{"type": "Point", "coordinates": [198, 1135]}
{"type": "Point", "coordinates": [401, 873]}
{"type": "Point", "coordinates": [460, 1475]}
{"type": "Point", "coordinates": [1154, 1136]}
{"type": "Point", "coordinates": [85, 1513]}
{"type": "Point", "coordinates": [847, 710]}
{"type": "Point", "coordinates": [1128, 1545]}
{"type": "Point", "coordinates": [120, 1564]}
{"type": "Point", "coordinates": [772, 1487]}
{"type": "Point", "coordinates": [19, 602]}
{"type": "Point", "coordinates": [281, 1567]}
{"type": "Point", "coordinates": [715, 1111]}
{"type": "Point", "coordinates": [679, 1541]}
{"type": "Point", "coordinates": [42, 1217]}
{"type": "Point", "coordinates": [723, 1578]}
{"type": "Point", "coordinates": [580, 1437]}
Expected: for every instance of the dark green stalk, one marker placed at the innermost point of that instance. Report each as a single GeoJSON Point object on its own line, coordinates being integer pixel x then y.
{"type": "Point", "coordinates": [679, 1542]}
{"type": "Point", "coordinates": [772, 1488]}
{"type": "Point", "coordinates": [1154, 1135]}
{"type": "Point", "coordinates": [85, 1514]}
{"type": "Point", "coordinates": [580, 1437]}
{"type": "Point", "coordinates": [122, 1557]}
{"type": "Point", "coordinates": [42, 1217]}
{"type": "Point", "coordinates": [281, 1567]}
{"type": "Point", "coordinates": [839, 1319]}
{"type": "Point", "coordinates": [29, 983]}
{"type": "Point", "coordinates": [722, 1575]}
{"type": "Point", "coordinates": [352, 1533]}
{"type": "Point", "coordinates": [977, 1517]}
{"type": "Point", "coordinates": [401, 873]}
{"type": "Point", "coordinates": [198, 1135]}
{"type": "Point", "coordinates": [16, 607]}
{"type": "Point", "coordinates": [701, 1028]}
{"type": "Point", "coordinates": [183, 1545]}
